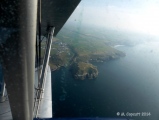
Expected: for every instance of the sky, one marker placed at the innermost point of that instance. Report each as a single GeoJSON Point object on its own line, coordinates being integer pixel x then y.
{"type": "Point", "coordinates": [130, 15]}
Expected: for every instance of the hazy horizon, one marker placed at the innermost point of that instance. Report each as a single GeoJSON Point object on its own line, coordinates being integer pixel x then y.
{"type": "Point", "coordinates": [133, 15]}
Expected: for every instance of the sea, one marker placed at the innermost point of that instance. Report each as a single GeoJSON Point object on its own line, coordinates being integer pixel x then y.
{"type": "Point", "coordinates": [125, 88]}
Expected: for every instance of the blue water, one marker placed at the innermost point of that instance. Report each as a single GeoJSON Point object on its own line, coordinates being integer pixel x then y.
{"type": "Point", "coordinates": [129, 84]}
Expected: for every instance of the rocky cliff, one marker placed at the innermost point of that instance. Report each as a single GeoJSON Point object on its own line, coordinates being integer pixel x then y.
{"type": "Point", "coordinates": [83, 71]}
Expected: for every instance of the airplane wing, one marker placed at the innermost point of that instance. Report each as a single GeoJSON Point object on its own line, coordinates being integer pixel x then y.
{"type": "Point", "coordinates": [56, 13]}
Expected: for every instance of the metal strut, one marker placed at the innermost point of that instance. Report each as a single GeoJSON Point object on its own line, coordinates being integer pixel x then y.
{"type": "Point", "coordinates": [41, 87]}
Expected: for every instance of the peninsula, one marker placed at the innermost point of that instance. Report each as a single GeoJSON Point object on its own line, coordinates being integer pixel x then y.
{"type": "Point", "coordinates": [79, 53]}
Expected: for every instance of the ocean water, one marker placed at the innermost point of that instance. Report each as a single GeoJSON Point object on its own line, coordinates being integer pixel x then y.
{"type": "Point", "coordinates": [126, 85]}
